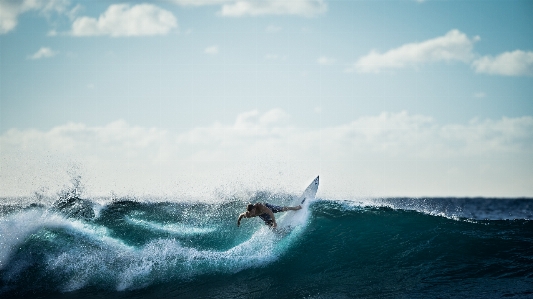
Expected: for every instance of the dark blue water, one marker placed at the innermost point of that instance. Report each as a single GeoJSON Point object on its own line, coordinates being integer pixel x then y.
{"type": "Point", "coordinates": [376, 248]}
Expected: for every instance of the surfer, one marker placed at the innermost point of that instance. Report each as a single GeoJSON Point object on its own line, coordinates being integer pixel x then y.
{"type": "Point", "coordinates": [265, 212]}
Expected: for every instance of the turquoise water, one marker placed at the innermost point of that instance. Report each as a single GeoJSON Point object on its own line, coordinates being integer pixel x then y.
{"type": "Point", "coordinates": [377, 248]}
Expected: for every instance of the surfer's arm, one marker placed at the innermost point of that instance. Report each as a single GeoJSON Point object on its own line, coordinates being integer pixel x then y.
{"type": "Point", "coordinates": [243, 215]}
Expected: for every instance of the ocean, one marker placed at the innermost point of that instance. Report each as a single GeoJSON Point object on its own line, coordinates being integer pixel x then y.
{"type": "Point", "coordinates": [369, 248]}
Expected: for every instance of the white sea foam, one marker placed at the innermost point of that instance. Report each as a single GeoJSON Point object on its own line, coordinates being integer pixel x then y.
{"type": "Point", "coordinates": [91, 255]}
{"type": "Point", "coordinates": [14, 230]}
{"type": "Point", "coordinates": [173, 228]}
{"type": "Point", "coordinates": [158, 260]}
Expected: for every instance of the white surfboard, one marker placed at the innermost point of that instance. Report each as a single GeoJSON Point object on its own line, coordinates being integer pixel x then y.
{"type": "Point", "coordinates": [292, 219]}
{"type": "Point", "coordinates": [309, 194]}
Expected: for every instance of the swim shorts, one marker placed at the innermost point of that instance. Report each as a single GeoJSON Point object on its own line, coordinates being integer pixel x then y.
{"type": "Point", "coordinates": [266, 218]}
{"type": "Point", "coordinates": [273, 208]}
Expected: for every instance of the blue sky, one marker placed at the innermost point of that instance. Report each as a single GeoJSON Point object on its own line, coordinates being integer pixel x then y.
{"type": "Point", "coordinates": [382, 98]}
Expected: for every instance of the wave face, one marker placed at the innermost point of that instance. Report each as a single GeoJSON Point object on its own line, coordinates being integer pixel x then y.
{"type": "Point", "coordinates": [382, 248]}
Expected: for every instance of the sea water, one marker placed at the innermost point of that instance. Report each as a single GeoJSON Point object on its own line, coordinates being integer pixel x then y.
{"type": "Point", "coordinates": [165, 248]}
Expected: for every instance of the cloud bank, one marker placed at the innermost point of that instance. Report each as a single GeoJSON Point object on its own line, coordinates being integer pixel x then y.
{"type": "Point", "coordinates": [390, 154]}
{"type": "Point", "coordinates": [125, 20]}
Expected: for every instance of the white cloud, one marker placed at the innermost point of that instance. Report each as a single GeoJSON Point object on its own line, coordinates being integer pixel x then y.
{"type": "Point", "coordinates": [516, 63]}
{"type": "Point", "coordinates": [200, 2]}
{"type": "Point", "coordinates": [323, 60]}
{"type": "Point", "coordinates": [274, 117]}
{"type": "Point", "coordinates": [307, 8]}
{"type": "Point", "coordinates": [73, 13]}
{"type": "Point", "coordinates": [388, 154]}
{"type": "Point", "coordinates": [238, 8]}
{"type": "Point", "coordinates": [453, 46]}
{"type": "Point", "coordinates": [10, 10]}
{"type": "Point", "coordinates": [273, 29]}
{"type": "Point", "coordinates": [480, 95]}
{"type": "Point", "coordinates": [275, 57]}
{"type": "Point", "coordinates": [126, 20]}
{"type": "Point", "coordinates": [43, 52]}
{"type": "Point", "coordinates": [211, 50]}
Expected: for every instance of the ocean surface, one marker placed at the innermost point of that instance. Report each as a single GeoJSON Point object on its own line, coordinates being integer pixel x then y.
{"type": "Point", "coordinates": [79, 247]}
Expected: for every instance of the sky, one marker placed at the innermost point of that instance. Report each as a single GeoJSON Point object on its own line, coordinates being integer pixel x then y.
{"type": "Point", "coordinates": [197, 98]}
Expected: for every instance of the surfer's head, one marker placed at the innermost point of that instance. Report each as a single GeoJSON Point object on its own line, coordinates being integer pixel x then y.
{"type": "Point", "coordinates": [250, 207]}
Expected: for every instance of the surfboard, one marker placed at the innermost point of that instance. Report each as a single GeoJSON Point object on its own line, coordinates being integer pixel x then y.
{"type": "Point", "coordinates": [292, 219]}
{"type": "Point", "coordinates": [309, 193]}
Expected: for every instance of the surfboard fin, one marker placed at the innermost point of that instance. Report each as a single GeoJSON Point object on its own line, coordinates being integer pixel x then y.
{"type": "Point", "coordinates": [303, 200]}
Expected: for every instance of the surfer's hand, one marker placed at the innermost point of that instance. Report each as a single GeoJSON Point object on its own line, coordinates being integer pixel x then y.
{"type": "Point", "coordinates": [299, 207]}
{"type": "Point", "coordinates": [274, 225]}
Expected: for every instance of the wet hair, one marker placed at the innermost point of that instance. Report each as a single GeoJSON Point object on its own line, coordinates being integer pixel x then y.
{"type": "Point", "coordinates": [250, 207]}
